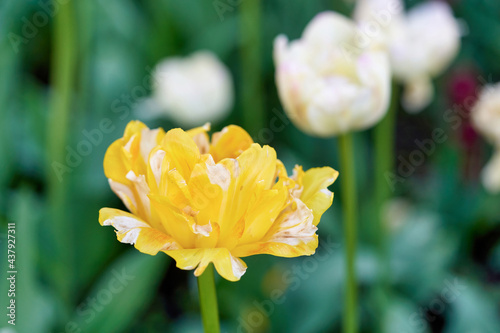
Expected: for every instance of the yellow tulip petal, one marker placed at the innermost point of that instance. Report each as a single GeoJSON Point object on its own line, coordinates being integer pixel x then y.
{"type": "Point", "coordinates": [151, 241]}
{"type": "Point", "coordinates": [148, 141]}
{"type": "Point", "coordinates": [140, 188]}
{"type": "Point", "coordinates": [200, 137]}
{"type": "Point", "coordinates": [179, 196]}
{"type": "Point", "coordinates": [228, 266]}
{"type": "Point", "coordinates": [315, 192]}
{"type": "Point", "coordinates": [292, 233]}
{"type": "Point", "coordinates": [131, 152]}
{"type": "Point", "coordinates": [132, 230]}
{"type": "Point", "coordinates": [125, 166]}
{"type": "Point", "coordinates": [198, 130]}
{"type": "Point", "coordinates": [210, 241]}
{"type": "Point", "coordinates": [174, 222]}
{"type": "Point", "coordinates": [229, 143]}
{"type": "Point", "coordinates": [257, 164]}
{"type": "Point", "coordinates": [280, 170]}
{"type": "Point", "coordinates": [125, 193]}
{"type": "Point", "coordinates": [116, 165]}
{"type": "Point", "coordinates": [157, 165]}
{"type": "Point", "coordinates": [206, 199]}
{"type": "Point", "coordinates": [133, 127]}
{"type": "Point", "coordinates": [181, 151]}
{"type": "Point", "coordinates": [246, 179]}
{"type": "Point", "coordinates": [177, 190]}
{"type": "Point", "coordinates": [277, 249]}
{"type": "Point", "coordinates": [262, 212]}
{"type": "Point", "coordinates": [294, 225]}
{"type": "Point", "coordinates": [206, 196]}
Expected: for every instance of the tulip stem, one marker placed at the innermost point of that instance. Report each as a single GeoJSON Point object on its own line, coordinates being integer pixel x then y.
{"type": "Point", "coordinates": [63, 82]}
{"type": "Point", "coordinates": [208, 301]}
{"type": "Point", "coordinates": [384, 163]}
{"type": "Point", "coordinates": [251, 67]}
{"type": "Point", "coordinates": [349, 205]}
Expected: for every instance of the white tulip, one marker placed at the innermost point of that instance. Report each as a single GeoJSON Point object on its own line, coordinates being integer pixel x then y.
{"type": "Point", "coordinates": [486, 114]}
{"type": "Point", "coordinates": [193, 90]}
{"type": "Point", "coordinates": [378, 18]}
{"type": "Point", "coordinates": [327, 83]}
{"type": "Point", "coordinates": [490, 175]}
{"type": "Point", "coordinates": [421, 44]}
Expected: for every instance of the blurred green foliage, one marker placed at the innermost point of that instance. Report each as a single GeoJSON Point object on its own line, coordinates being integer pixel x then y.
{"type": "Point", "coordinates": [449, 234]}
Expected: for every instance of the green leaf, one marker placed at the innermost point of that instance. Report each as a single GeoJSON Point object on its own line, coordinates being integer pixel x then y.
{"type": "Point", "coordinates": [474, 311]}
{"type": "Point", "coordinates": [33, 307]}
{"type": "Point", "coordinates": [121, 294]}
{"type": "Point", "coordinates": [403, 316]}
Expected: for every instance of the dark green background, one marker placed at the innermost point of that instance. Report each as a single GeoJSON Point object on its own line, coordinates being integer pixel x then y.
{"type": "Point", "coordinates": [450, 235]}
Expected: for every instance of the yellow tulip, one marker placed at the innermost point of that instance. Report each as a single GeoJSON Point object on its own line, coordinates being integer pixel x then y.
{"type": "Point", "coordinates": [205, 201]}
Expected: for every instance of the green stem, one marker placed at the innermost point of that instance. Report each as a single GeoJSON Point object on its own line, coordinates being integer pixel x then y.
{"type": "Point", "coordinates": [251, 67]}
{"type": "Point", "coordinates": [208, 301]}
{"type": "Point", "coordinates": [349, 205]}
{"type": "Point", "coordinates": [63, 79]}
{"type": "Point", "coordinates": [384, 163]}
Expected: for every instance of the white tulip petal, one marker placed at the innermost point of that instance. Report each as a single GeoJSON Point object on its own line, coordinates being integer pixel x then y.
{"type": "Point", "coordinates": [486, 114]}
{"type": "Point", "coordinates": [490, 175]}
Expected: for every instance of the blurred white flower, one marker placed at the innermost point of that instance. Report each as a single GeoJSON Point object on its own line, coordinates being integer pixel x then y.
{"type": "Point", "coordinates": [327, 83]}
{"type": "Point", "coordinates": [192, 90]}
{"type": "Point", "coordinates": [417, 94]}
{"type": "Point", "coordinates": [396, 212]}
{"type": "Point", "coordinates": [377, 19]}
{"type": "Point", "coordinates": [490, 175]}
{"type": "Point", "coordinates": [486, 119]}
{"type": "Point", "coordinates": [486, 114]}
{"type": "Point", "coordinates": [421, 44]}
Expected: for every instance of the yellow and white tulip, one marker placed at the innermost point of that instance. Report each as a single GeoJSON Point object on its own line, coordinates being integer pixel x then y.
{"type": "Point", "coordinates": [205, 201]}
